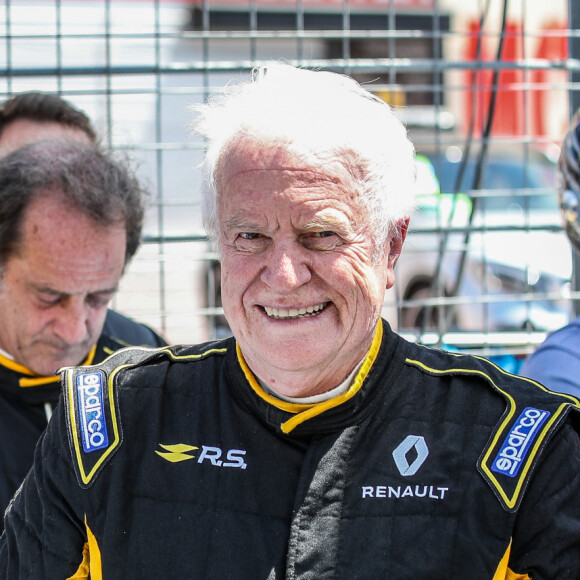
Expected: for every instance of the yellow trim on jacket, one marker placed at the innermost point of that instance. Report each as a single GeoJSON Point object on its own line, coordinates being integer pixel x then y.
{"type": "Point", "coordinates": [35, 381]}
{"type": "Point", "coordinates": [303, 412]}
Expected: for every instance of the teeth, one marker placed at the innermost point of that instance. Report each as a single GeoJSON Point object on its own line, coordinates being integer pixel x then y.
{"type": "Point", "coordinates": [303, 312]}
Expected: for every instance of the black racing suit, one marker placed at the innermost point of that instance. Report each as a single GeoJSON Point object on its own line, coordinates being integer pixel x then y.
{"type": "Point", "coordinates": [27, 400]}
{"type": "Point", "coordinates": [175, 464]}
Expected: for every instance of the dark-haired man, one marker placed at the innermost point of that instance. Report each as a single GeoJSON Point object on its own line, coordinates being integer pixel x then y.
{"type": "Point", "coordinates": [70, 220]}
{"type": "Point", "coordinates": [38, 116]}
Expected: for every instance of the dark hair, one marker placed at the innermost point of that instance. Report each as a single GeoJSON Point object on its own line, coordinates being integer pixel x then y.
{"type": "Point", "coordinates": [87, 178]}
{"type": "Point", "coordinates": [38, 106]}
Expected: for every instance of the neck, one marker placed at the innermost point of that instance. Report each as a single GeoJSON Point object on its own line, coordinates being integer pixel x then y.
{"type": "Point", "coordinates": [313, 399]}
{"type": "Point", "coordinates": [301, 383]}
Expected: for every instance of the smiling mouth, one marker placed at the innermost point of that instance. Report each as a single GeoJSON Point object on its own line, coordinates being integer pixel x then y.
{"type": "Point", "coordinates": [292, 313]}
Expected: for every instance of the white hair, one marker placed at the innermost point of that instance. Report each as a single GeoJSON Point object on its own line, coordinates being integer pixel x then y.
{"type": "Point", "coordinates": [314, 112]}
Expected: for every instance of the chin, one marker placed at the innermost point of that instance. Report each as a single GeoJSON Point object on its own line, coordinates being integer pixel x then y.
{"type": "Point", "coordinates": [57, 364]}
{"type": "Point", "coordinates": [45, 370]}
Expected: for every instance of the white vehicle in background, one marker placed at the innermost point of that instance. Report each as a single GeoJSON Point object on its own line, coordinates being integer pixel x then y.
{"type": "Point", "coordinates": [507, 267]}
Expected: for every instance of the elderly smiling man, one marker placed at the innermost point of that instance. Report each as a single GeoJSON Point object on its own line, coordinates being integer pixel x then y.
{"type": "Point", "coordinates": [316, 443]}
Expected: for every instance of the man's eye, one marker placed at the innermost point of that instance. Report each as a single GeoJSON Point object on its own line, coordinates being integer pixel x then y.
{"type": "Point", "coordinates": [49, 300]}
{"type": "Point", "coordinates": [250, 242]}
{"type": "Point", "coordinates": [98, 300]}
{"type": "Point", "coordinates": [325, 240]}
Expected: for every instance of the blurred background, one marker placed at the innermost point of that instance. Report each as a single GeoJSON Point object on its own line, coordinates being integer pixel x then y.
{"type": "Point", "coordinates": [486, 89]}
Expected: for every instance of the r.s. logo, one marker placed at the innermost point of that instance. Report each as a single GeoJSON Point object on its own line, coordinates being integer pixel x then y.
{"type": "Point", "coordinates": [216, 456]}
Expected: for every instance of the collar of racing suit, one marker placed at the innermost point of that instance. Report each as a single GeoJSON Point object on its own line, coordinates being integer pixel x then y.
{"type": "Point", "coordinates": [19, 381]}
{"type": "Point", "coordinates": [352, 406]}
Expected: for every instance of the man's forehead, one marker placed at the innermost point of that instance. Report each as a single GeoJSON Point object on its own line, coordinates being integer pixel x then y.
{"type": "Point", "coordinates": [51, 209]}
{"type": "Point", "coordinates": [246, 155]}
{"type": "Point", "coordinates": [63, 274]}
{"type": "Point", "coordinates": [60, 240]}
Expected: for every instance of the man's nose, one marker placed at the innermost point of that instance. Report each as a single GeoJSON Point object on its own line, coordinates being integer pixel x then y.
{"type": "Point", "coordinates": [286, 268]}
{"type": "Point", "coordinates": [72, 321]}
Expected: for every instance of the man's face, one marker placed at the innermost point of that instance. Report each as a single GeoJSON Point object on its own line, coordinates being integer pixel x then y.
{"type": "Point", "coordinates": [21, 132]}
{"type": "Point", "coordinates": [55, 289]}
{"type": "Point", "coordinates": [299, 287]}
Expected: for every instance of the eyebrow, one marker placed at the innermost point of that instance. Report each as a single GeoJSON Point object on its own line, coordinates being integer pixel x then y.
{"type": "Point", "coordinates": [329, 219]}
{"type": "Point", "coordinates": [53, 292]}
{"type": "Point", "coordinates": [237, 222]}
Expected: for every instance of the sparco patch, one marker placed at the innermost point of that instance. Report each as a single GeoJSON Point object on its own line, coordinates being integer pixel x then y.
{"type": "Point", "coordinates": [518, 441]}
{"type": "Point", "coordinates": [91, 411]}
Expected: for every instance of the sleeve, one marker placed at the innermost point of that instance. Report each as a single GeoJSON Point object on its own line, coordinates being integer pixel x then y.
{"type": "Point", "coordinates": [556, 368]}
{"type": "Point", "coordinates": [45, 535]}
{"type": "Point", "coordinates": [546, 539]}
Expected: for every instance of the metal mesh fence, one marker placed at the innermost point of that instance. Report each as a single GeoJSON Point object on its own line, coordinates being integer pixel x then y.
{"type": "Point", "coordinates": [483, 87]}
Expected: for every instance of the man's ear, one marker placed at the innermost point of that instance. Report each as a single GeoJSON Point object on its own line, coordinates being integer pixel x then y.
{"type": "Point", "coordinates": [403, 226]}
{"type": "Point", "coordinates": [395, 242]}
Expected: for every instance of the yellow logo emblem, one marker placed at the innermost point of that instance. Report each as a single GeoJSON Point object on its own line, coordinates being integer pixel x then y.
{"type": "Point", "coordinates": [176, 453]}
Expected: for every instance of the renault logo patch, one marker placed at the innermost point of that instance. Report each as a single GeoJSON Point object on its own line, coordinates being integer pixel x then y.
{"type": "Point", "coordinates": [518, 441]}
{"type": "Point", "coordinates": [90, 397]}
{"type": "Point", "coordinates": [417, 443]}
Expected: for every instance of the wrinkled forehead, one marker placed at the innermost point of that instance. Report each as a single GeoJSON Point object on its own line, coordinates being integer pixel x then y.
{"type": "Point", "coordinates": [246, 154]}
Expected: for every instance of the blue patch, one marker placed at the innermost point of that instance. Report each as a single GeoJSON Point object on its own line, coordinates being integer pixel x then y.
{"type": "Point", "coordinates": [91, 411]}
{"type": "Point", "coordinates": [518, 442]}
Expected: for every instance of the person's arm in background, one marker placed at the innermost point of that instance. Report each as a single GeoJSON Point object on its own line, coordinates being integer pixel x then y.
{"type": "Point", "coordinates": [556, 362]}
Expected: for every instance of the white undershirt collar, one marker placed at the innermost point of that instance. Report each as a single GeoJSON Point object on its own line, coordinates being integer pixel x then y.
{"type": "Point", "coordinates": [339, 390]}
{"type": "Point", "coordinates": [5, 354]}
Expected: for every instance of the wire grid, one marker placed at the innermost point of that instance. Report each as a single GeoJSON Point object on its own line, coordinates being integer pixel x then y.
{"type": "Point", "coordinates": [476, 83]}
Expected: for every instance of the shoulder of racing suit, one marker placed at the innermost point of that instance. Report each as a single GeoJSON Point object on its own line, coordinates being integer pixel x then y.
{"type": "Point", "coordinates": [533, 414]}
{"type": "Point", "coordinates": [91, 399]}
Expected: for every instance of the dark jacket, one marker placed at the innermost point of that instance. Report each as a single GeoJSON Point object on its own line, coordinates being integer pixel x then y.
{"type": "Point", "coordinates": [27, 400]}
{"type": "Point", "coordinates": [175, 464]}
